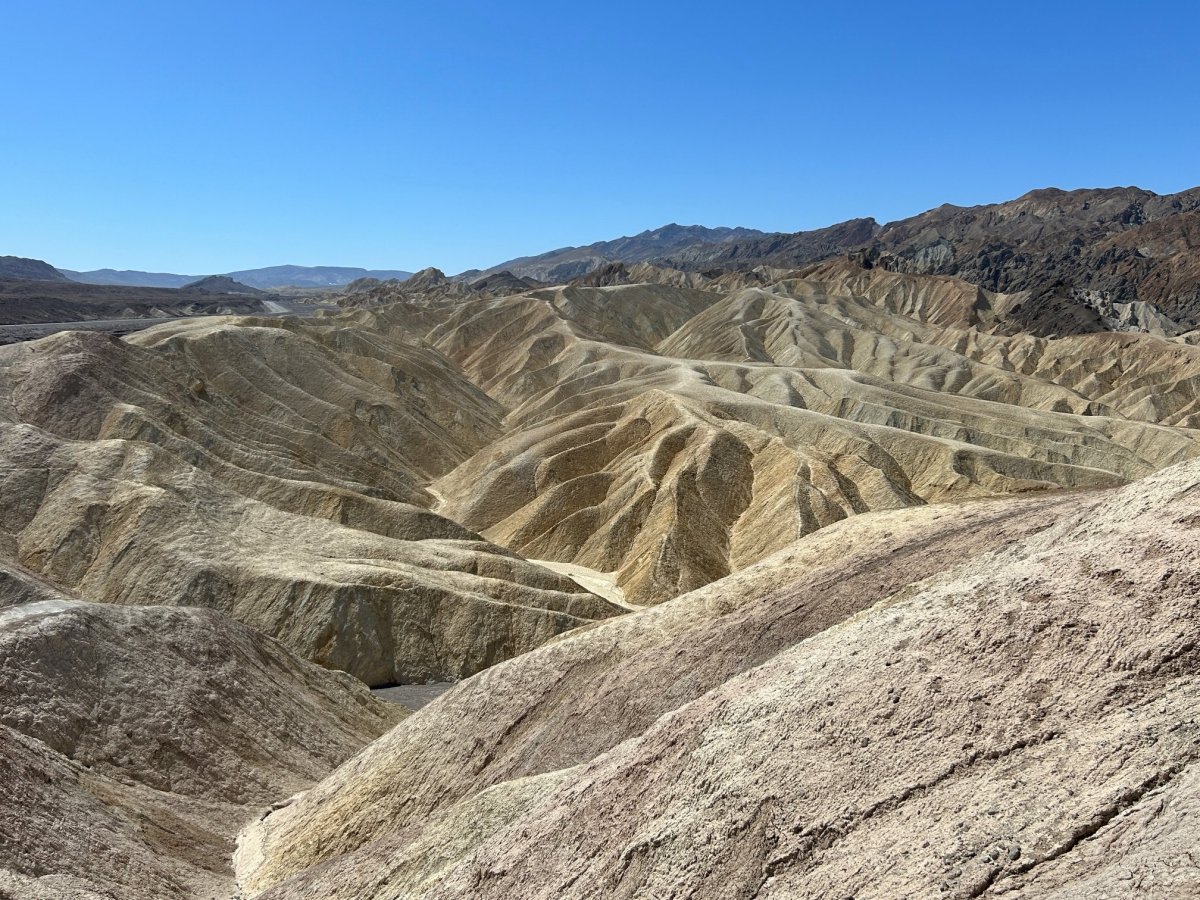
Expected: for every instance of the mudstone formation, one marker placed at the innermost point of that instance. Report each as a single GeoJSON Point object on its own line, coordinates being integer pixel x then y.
{"type": "Point", "coordinates": [853, 563]}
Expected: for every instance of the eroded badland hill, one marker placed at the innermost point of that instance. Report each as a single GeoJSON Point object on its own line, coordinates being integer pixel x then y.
{"type": "Point", "coordinates": [861, 563]}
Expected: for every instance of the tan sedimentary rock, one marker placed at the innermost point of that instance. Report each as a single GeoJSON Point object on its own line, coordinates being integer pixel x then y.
{"type": "Point", "coordinates": [674, 435]}
{"type": "Point", "coordinates": [134, 741]}
{"type": "Point", "coordinates": [298, 415]}
{"type": "Point", "coordinates": [127, 522]}
{"type": "Point", "coordinates": [1022, 722]}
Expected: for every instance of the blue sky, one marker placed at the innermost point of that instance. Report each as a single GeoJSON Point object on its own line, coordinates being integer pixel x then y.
{"type": "Point", "coordinates": [215, 136]}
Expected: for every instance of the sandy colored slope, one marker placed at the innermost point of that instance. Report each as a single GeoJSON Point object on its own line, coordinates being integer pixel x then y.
{"type": "Point", "coordinates": [667, 433]}
{"type": "Point", "coordinates": [730, 425]}
{"type": "Point", "coordinates": [268, 468]}
{"type": "Point", "coordinates": [1138, 375]}
{"type": "Point", "coordinates": [302, 416]}
{"type": "Point", "coordinates": [127, 522]}
{"type": "Point", "coordinates": [602, 584]}
{"type": "Point", "coordinates": [1021, 724]}
{"type": "Point", "coordinates": [526, 718]}
{"type": "Point", "coordinates": [134, 741]}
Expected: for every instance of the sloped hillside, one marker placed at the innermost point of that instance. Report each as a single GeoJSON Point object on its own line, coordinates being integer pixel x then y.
{"type": "Point", "coordinates": [1020, 723]}
{"type": "Point", "coordinates": [269, 470]}
{"type": "Point", "coordinates": [673, 435]}
{"type": "Point", "coordinates": [135, 740]}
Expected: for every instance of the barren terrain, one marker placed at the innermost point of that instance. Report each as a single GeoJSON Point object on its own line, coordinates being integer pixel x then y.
{"type": "Point", "coordinates": [848, 565]}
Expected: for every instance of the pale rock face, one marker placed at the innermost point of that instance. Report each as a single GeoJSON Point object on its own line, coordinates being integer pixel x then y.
{"type": "Point", "coordinates": [1023, 722]}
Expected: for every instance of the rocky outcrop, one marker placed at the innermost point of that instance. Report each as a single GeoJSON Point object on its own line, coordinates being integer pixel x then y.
{"type": "Point", "coordinates": [219, 284]}
{"type": "Point", "coordinates": [502, 283]}
{"type": "Point", "coordinates": [1017, 717]}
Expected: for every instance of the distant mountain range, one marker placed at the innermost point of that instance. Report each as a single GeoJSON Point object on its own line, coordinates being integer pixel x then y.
{"type": "Point", "coordinates": [29, 269]}
{"type": "Point", "coordinates": [268, 277]}
{"type": "Point", "coordinates": [566, 263]}
{"type": "Point", "coordinates": [1076, 252]}
{"type": "Point", "coordinates": [34, 292]}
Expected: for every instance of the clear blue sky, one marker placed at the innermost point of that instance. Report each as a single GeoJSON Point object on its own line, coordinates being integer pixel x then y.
{"type": "Point", "coordinates": [214, 136]}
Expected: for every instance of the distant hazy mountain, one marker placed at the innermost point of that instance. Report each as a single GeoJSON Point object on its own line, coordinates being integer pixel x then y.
{"type": "Point", "coordinates": [219, 284]}
{"type": "Point", "coordinates": [310, 276]}
{"type": "Point", "coordinates": [29, 269]}
{"type": "Point", "coordinates": [269, 277]}
{"type": "Point", "coordinates": [130, 278]}
{"type": "Point", "coordinates": [571, 262]}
